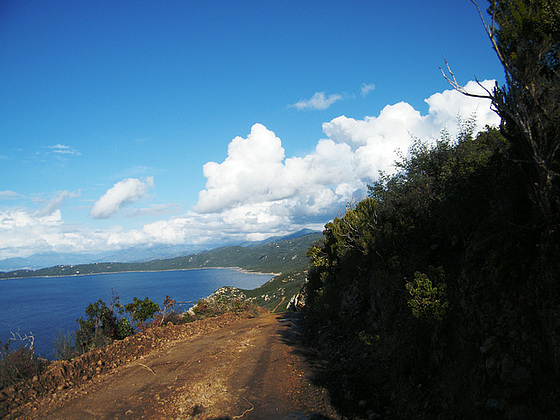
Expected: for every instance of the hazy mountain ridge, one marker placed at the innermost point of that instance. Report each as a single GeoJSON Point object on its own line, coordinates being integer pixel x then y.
{"type": "Point", "coordinates": [135, 254]}
{"type": "Point", "coordinates": [283, 255]}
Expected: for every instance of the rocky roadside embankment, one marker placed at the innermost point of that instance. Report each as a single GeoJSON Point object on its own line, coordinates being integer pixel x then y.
{"type": "Point", "coordinates": [60, 376]}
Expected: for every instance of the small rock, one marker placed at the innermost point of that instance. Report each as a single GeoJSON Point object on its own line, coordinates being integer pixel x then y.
{"type": "Point", "coordinates": [362, 403]}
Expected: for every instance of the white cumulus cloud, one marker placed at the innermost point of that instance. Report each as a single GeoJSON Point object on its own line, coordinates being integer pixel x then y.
{"type": "Point", "coordinates": [256, 188]}
{"type": "Point", "coordinates": [255, 177]}
{"type": "Point", "coordinates": [256, 191]}
{"type": "Point", "coordinates": [25, 232]}
{"type": "Point", "coordinates": [246, 173]}
{"type": "Point", "coordinates": [123, 192]}
{"type": "Point", "coordinates": [319, 101]}
{"type": "Point", "coordinates": [375, 140]}
{"type": "Point", "coordinates": [445, 106]}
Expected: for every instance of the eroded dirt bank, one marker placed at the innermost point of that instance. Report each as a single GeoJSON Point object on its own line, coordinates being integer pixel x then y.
{"type": "Point", "coordinates": [227, 366]}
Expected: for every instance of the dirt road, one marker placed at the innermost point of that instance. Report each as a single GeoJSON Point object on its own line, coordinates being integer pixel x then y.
{"type": "Point", "coordinates": [250, 369]}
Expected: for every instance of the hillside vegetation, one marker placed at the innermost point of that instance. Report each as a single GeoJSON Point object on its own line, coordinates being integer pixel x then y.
{"type": "Point", "coordinates": [282, 256]}
{"type": "Point", "coordinates": [437, 296]}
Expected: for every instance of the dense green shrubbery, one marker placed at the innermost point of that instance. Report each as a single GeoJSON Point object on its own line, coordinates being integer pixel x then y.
{"type": "Point", "coordinates": [106, 323]}
{"type": "Point", "coordinates": [102, 325]}
{"type": "Point", "coordinates": [437, 211]}
{"type": "Point", "coordinates": [427, 301]}
{"type": "Point", "coordinates": [455, 205]}
{"type": "Point", "coordinates": [141, 310]}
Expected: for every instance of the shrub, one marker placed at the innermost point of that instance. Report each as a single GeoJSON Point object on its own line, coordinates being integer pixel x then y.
{"type": "Point", "coordinates": [20, 364]}
{"type": "Point", "coordinates": [106, 323]}
{"type": "Point", "coordinates": [168, 313]}
{"type": "Point", "coordinates": [64, 346]}
{"type": "Point", "coordinates": [140, 311]}
{"type": "Point", "coordinates": [213, 306]}
{"type": "Point", "coordinates": [99, 329]}
{"type": "Point", "coordinates": [427, 301]}
{"type": "Point", "coordinates": [203, 309]}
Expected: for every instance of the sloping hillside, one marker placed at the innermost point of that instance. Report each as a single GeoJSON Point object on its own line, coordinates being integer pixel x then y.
{"type": "Point", "coordinates": [284, 256]}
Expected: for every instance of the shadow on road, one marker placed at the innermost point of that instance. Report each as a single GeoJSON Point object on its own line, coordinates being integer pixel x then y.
{"type": "Point", "coordinates": [321, 371]}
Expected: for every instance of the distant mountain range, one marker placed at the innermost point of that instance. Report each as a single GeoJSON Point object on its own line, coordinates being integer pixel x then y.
{"type": "Point", "coordinates": [278, 254]}
{"type": "Point", "coordinates": [294, 235]}
{"type": "Point", "coordinates": [135, 254]}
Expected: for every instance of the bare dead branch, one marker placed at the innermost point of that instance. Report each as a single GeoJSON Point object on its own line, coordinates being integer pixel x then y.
{"type": "Point", "coordinates": [29, 340]}
{"type": "Point", "coordinates": [491, 32]}
{"type": "Point", "coordinates": [147, 367]}
{"type": "Point", "coordinates": [246, 411]}
{"type": "Point", "coordinates": [459, 88]}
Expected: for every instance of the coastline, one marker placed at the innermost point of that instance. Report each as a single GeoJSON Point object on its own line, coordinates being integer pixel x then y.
{"type": "Point", "coordinates": [243, 270]}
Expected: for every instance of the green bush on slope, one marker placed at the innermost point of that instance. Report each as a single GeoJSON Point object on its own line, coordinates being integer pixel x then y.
{"type": "Point", "coordinates": [455, 205]}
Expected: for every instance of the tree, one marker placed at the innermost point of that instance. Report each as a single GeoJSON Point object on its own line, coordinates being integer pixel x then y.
{"type": "Point", "coordinates": [141, 310]}
{"type": "Point", "coordinates": [105, 323]}
{"type": "Point", "coordinates": [98, 328]}
{"type": "Point", "coordinates": [525, 35]}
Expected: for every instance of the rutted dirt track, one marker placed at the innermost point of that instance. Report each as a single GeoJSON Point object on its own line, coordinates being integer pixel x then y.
{"type": "Point", "coordinates": [251, 369]}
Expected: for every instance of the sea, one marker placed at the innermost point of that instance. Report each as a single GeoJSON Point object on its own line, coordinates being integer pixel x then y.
{"type": "Point", "coordinates": [45, 307]}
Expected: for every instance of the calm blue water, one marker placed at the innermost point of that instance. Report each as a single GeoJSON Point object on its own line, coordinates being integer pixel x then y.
{"type": "Point", "coordinates": [45, 306]}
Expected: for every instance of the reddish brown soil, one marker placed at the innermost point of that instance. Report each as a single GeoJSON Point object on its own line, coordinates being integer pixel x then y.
{"type": "Point", "coordinates": [229, 367]}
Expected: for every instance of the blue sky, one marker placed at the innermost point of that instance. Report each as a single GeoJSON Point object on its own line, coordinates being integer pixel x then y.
{"type": "Point", "coordinates": [127, 123]}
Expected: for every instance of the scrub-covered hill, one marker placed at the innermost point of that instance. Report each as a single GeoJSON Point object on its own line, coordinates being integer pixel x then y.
{"type": "Point", "coordinates": [280, 256]}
